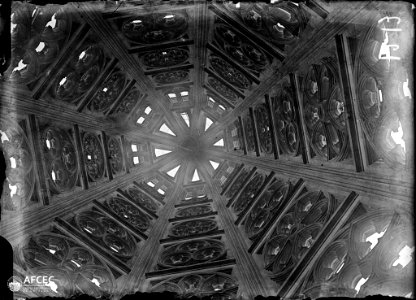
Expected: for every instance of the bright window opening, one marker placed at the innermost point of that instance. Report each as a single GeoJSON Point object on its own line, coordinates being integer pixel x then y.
{"type": "Point", "coordinates": [397, 137]}
{"type": "Point", "coordinates": [380, 95]}
{"type": "Point", "coordinates": [172, 95]}
{"type": "Point", "coordinates": [173, 172]}
{"type": "Point", "coordinates": [164, 128]}
{"type": "Point", "coordinates": [214, 164]}
{"type": "Point", "coordinates": [136, 160]}
{"type": "Point", "coordinates": [219, 143]}
{"type": "Point", "coordinates": [160, 152]}
{"type": "Point", "coordinates": [208, 123]}
{"type": "Point", "coordinates": [201, 196]}
{"type": "Point", "coordinates": [133, 147]}
{"type": "Point", "coordinates": [140, 120]}
{"type": "Point", "coordinates": [13, 190]}
{"type": "Point", "coordinates": [188, 197]}
{"type": "Point", "coordinates": [405, 256]}
{"type": "Point", "coordinates": [184, 93]}
{"type": "Point", "coordinates": [222, 107]}
{"type": "Point", "coordinates": [151, 184]}
{"type": "Point", "coordinates": [136, 21]}
{"type": "Point", "coordinates": [53, 175]}
{"type": "Point", "coordinates": [62, 82]}
{"type": "Point", "coordinates": [40, 47]}
{"type": "Point", "coordinates": [238, 5]}
{"type": "Point", "coordinates": [195, 177]}
{"type": "Point", "coordinates": [160, 191]}
{"type": "Point", "coordinates": [185, 117]}
{"type": "Point", "coordinates": [105, 90]}
{"type": "Point", "coordinates": [147, 110]}
{"type": "Point", "coordinates": [95, 281]}
{"type": "Point", "coordinates": [168, 16]}
{"type": "Point", "coordinates": [211, 102]}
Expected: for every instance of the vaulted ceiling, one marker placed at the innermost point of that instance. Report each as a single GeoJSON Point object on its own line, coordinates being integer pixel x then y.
{"type": "Point", "coordinates": [210, 102]}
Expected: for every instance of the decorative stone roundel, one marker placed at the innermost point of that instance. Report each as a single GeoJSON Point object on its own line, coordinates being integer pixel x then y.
{"type": "Point", "coordinates": [19, 184]}
{"type": "Point", "coordinates": [165, 58]}
{"type": "Point", "coordinates": [155, 28]}
{"type": "Point", "coordinates": [193, 227]}
{"type": "Point", "coordinates": [93, 156]}
{"type": "Point", "coordinates": [60, 159]}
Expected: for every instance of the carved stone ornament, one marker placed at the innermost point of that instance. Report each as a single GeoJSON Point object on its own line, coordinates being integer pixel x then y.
{"type": "Point", "coordinates": [109, 234]}
{"type": "Point", "coordinates": [193, 211]}
{"type": "Point", "coordinates": [214, 285]}
{"type": "Point", "coordinates": [229, 73]}
{"type": "Point", "coordinates": [115, 155]}
{"type": "Point", "coordinates": [248, 194]}
{"type": "Point", "coordinates": [142, 199]}
{"type": "Point", "coordinates": [193, 252]}
{"type": "Point", "coordinates": [324, 112]}
{"type": "Point", "coordinates": [171, 77]}
{"type": "Point", "coordinates": [223, 90]}
{"type": "Point", "coordinates": [80, 74]}
{"type": "Point", "coordinates": [108, 92]}
{"type": "Point", "coordinates": [193, 227]}
{"type": "Point", "coordinates": [155, 28]}
{"type": "Point", "coordinates": [129, 213]}
{"type": "Point", "coordinates": [238, 184]}
{"type": "Point", "coordinates": [74, 268]}
{"type": "Point", "coordinates": [263, 129]}
{"type": "Point", "coordinates": [37, 35]}
{"type": "Point", "coordinates": [164, 58]}
{"type": "Point", "coordinates": [19, 185]}
{"type": "Point", "coordinates": [129, 101]}
{"type": "Point", "coordinates": [60, 159]}
{"type": "Point", "coordinates": [296, 232]}
{"type": "Point", "coordinates": [93, 156]}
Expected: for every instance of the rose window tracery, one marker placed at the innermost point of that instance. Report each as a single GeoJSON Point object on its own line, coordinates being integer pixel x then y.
{"type": "Point", "coordinates": [61, 161]}
{"type": "Point", "coordinates": [193, 227]}
{"type": "Point", "coordinates": [194, 211]}
{"type": "Point", "coordinates": [80, 74]}
{"type": "Point", "coordinates": [37, 35]}
{"type": "Point", "coordinates": [215, 285]}
{"type": "Point", "coordinates": [107, 233]}
{"type": "Point", "coordinates": [19, 185]}
{"type": "Point", "coordinates": [296, 232]}
{"type": "Point", "coordinates": [286, 120]}
{"type": "Point", "coordinates": [324, 112]}
{"type": "Point", "coordinates": [129, 213]}
{"type": "Point", "coordinates": [265, 208]}
{"type": "Point", "coordinates": [248, 194]}
{"type": "Point", "coordinates": [142, 199]}
{"type": "Point", "coordinates": [193, 252]}
{"type": "Point", "coordinates": [115, 155]}
{"type": "Point", "coordinates": [155, 28]}
{"type": "Point", "coordinates": [165, 58]}
{"type": "Point", "coordinates": [93, 156]}
{"type": "Point", "coordinates": [108, 92]}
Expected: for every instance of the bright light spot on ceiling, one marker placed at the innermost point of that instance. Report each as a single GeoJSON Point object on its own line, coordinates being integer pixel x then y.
{"type": "Point", "coordinates": [195, 177]}
{"type": "Point", "coordinates": [4, 136]}
{"type": "Point", "coordinates": [133, 147]}
{"type": "Point", "coordinates": [75, 263]}
{"type": "Point", "coordinates": [185, 117]}
{"type": "Point", "coordinates": [151, 184]}
{"type": "Point", "coordinates": [82, 55]}
{"type": "Point", "coordinates": [208, 123]}
{"type": "Point", "coordinates": [53, 175]}
{"type": "Point", "coordinates": [160, 191]}
{"type": "Point", "coordinates": [136, 160]}
{"type": "Point", "coordinates": [360, 283]}
{"type": "Point", "coordinates": [62, 82]}
{"type": "Point", "coordinates": [373, 239]}
{"type": "Point", "coordinates": [406, 90]}
{"type": "Point", "coordinates": [147, 110]}
{"type": "Point", "coordinates": [52, 22]}
{"type": "Point", "coordinates": [34, 12]}
{"type": "Point", "coordinates": [169, 16]}
{"type": "Point", "coordinates": [184, 93]}
{"type": "Point", "coordinates": [140, 120]}
{"type": "Point", "coordinates": [164, 128]}
{"type": "Point", "coordinates": [214, 164]}
{"type": "Point", "coordinates": [159, 152]}
{"type": "Point", "coordinates": [13, 190]}
{"type": "Point", "coordinates": [95, 281]}
{"type": "Point", "coordinates": [405, 256]}
{"type": "Point", "coordinates": [136, 21]}
{"type": "Point", "coordinates": [171, 95]}
{"type": "Point", "coordinates": [105, 90]}
{"type": "Point", "coordinates": [222, 107]}
{"type": "Point", "coordinates": [20, 66]}
{"type": "Point", "coordinates": [398, 137]}
{"type": "Point", "coordinates": [173, 172]}
{"type": "Point", "coordinates": [201, 196]}
{"type": "Point", "coordinates": [89, 157]}
{"type": "Point", "coordinates": [238, 5]}
{"type": "Point", "coordinates": [13, 162]}
{"type": "Point", "coordinates": [40, 47]}
{"type": "Point", "coordinates": [219, 143]}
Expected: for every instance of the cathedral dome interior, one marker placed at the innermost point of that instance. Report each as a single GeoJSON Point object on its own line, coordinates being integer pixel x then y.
{"type": "Point", "coordinates": [209, 148]}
